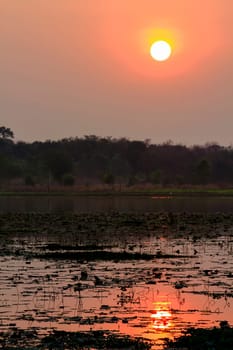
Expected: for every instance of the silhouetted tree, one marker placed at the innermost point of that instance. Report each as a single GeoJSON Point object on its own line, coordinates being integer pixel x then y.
{"type": "Point", "coordinates": [68, 180]}
{"type": "Point", "coordinates": [203, 171]}
{"type": "Point", "coordinates": [156, 177]}
{"type": "Point", "coordinates": [29, 181]}
{"type": "Point", "coordinates": [109, 179]}
{"type": "Point", "coordinates": [58, 163]}
{"type": "Point", "coordinates": [6, 133]}
{"type": "Point", "coordinates": [121, 160]}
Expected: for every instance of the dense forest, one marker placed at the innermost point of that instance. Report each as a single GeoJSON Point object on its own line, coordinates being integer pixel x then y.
{"type": "Point", "coordinates": [93, 160]}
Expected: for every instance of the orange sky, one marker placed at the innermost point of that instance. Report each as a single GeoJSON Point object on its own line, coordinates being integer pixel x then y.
{"type": "Point", "coordinates": [74, 67]}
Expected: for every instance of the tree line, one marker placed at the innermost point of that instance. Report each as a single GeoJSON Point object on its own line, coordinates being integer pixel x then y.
{"type": "Point", "coordinates": [97, 160]}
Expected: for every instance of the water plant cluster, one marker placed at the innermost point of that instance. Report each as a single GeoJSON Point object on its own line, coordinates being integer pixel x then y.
{"type": "Point", "coordinates": [115, 223]}
{"type": "Point", "coordinates": [217, 338]}
{"type": "Point", "coordinates": [61, 340]}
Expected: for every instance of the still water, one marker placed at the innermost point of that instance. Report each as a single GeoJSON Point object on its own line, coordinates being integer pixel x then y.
{"type": "Point", "coordinates": [151, 299]}
{"type": "Point", "coordinates": [92, 204]}
{"type": "Point", "coordinates": [190, 287]}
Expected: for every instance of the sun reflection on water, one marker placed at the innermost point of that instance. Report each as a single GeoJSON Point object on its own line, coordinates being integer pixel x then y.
{"type": "Point", "coordinates": [162, 315]}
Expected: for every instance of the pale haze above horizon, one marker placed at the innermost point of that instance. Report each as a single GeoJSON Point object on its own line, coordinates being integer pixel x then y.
{"type": "Point", "coordinates": [83, 67]}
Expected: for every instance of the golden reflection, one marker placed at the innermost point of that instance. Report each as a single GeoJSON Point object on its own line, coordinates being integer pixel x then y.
{"type": "Point", "coordinates": [162, 315]}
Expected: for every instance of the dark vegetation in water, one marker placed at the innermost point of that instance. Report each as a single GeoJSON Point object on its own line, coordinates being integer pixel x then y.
{"type": "Point", "coordinates": [60, 340]}
{"type": "Point", "coordinates": [96, 255]}
{"type": "Point", "coordinates": [204, 339]}
{"type": "Point", "coordinates": [114, 223]}
{"type": "Point", "coordinates": [220, 338]}
{"type": "Point", "coordinates": [85, 236]}
{"type": "Point", "coordinates": [105, 160]}
{"type": "Point", "coordinates": [106, 256]}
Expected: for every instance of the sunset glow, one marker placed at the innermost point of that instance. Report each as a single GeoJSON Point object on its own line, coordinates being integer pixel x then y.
{"type": "Point", "coordinates": [160, 51]}
{"type": "Point", "coordinates": [90, 63]}
{"type": "Point", "coordinates": [116, 174]}
{"type": "Point", "coordinates": [162, 315]}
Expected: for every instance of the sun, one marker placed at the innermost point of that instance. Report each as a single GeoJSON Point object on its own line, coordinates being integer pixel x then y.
{"type": "Point", "coordinates": [161, 50]}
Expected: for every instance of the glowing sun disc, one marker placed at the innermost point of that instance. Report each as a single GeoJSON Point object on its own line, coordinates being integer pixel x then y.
{"type": "Point", "coordinates": [161, 51]}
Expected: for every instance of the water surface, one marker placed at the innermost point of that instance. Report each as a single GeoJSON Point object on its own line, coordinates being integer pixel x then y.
{"type": "Point", "coordinates": [188, 283]}
{"type": "Point", "coordinates": [92, 204]}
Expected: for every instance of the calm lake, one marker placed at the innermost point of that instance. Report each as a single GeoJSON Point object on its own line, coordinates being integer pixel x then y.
{"type": "Point", "coordinates": [183, 279]}
{"type": "Point", "coordinates": [93, 204]}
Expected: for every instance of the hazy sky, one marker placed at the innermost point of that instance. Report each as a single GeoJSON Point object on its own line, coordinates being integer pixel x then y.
{"type": "Point", "coordinates": [81, 67]}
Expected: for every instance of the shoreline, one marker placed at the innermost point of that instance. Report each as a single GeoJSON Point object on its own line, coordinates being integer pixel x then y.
{"type": "Point", "coordinates": [161, 193]}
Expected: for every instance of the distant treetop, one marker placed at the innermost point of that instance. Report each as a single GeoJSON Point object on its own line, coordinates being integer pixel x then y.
{"type": "Point", "coordinates": [6, 133]}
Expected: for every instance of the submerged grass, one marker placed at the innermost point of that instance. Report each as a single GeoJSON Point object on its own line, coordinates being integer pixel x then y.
{"type": "Point", "coordinates": [60, 340]}
{"type": "Point", "coordinates": [114, 223]}
{"type": "Point", "coordinates": [85, 236]}
{"type": "Point", "coordinates": [217, 338]}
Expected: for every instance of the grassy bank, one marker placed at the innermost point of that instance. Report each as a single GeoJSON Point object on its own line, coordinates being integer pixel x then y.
{"type": "Point", "coordinates": [158, 192]}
